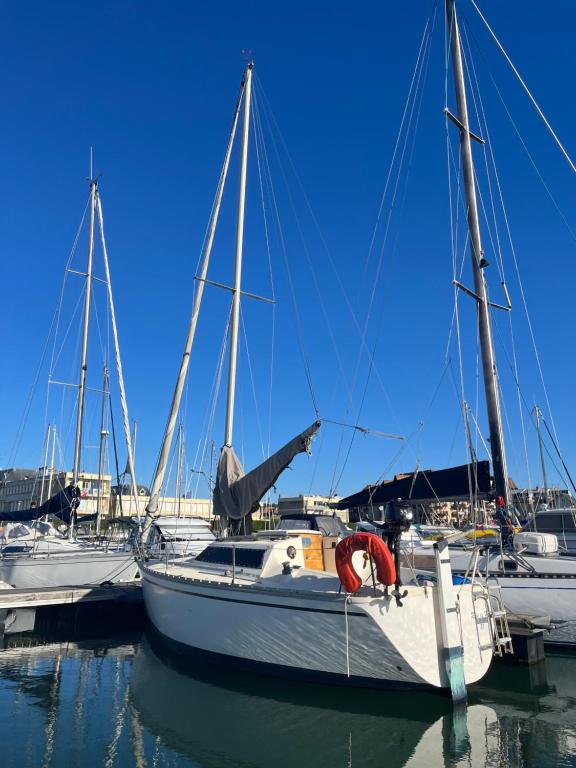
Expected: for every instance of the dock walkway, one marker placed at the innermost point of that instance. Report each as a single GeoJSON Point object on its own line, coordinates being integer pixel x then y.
{"type": "Point", "coordinates": [39, 597]}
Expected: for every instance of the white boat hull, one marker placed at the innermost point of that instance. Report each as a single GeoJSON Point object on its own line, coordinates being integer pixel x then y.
{"type": "Point", "coordinates": [555, 598]}
{"type": "Point", "coordinates": [70, 569]}
{"type": "Point", "coordinates": [367, 641]}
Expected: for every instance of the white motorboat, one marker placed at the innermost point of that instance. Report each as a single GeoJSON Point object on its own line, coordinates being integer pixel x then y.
{"type": "Point", "coordinates": [172, 536]}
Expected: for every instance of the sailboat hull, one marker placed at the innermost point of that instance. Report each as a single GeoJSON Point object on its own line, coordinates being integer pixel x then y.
{"type": "Point", "coordinates": [365, 641]}
{"type": "Point", "coordinates": [73, 569]}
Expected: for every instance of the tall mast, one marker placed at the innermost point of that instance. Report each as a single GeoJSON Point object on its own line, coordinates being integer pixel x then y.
{"type": "Point", "coordinates": [45, 463]}
{"type": "Point", "coordinates": [478, 264]}
{"type": "Point", "coordinates": [541, 450]}
{"type": "Point", "coordinates": [82, 379]}
{"type": "Point", "coordinates": [102, 456]}
{"type": "Point", "coordinates": [180, 468]}
{"type": "Point", "coordinates": [158, 479]}
{"type": "Point", "coordinates": [119, 370]}
{"type": "Point", "coordinates": [238, 264]}
{"type": "Point", "coordinates": [50, 477]}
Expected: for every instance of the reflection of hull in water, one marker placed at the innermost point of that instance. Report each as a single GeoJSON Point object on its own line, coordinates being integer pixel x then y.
{"type": "Point", "coordinates": [218, 716]}
{"type": "Point", "coordinates": [66, 569]}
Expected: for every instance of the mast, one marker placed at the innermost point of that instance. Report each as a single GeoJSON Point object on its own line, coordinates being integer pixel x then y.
{"type": "Point", "coordinates": [478, 264]}
{"type": "Point", "coordinates": [82, 378]}
{"type": "Point", "coordinates": [49, 496]}
{"type": "Point", "coordinates": [102, 456]}
{"type": "Point", "coordinates": [238, 264]}
{"type": "Point", "coordinates": [119, 370]}
{"type": "Point", "coordinates": [541, 450]}
{"type": "Point", "coordinates": [45, 463]}
{"type": "Point", "coordinates": [158, 479]}
{"type": "Point", "coordinates": [180, 468]}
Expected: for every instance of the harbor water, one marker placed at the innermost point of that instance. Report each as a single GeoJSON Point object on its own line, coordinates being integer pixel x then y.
{"type": "Point", "coordinates": [132, 701]}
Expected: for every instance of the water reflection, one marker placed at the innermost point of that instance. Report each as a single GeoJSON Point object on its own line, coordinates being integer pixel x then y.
{"type": "Point", "coordinates": [135, 702]}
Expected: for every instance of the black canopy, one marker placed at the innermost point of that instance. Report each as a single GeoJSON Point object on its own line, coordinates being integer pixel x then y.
{"type": "Point", "coordinates": [425, 485]}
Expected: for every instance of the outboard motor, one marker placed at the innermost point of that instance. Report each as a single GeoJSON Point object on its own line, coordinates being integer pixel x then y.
{"type": "Point", "coordinates": [397, 518]}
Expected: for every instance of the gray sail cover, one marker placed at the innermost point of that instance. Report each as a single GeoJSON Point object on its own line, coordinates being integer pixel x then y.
{"type": "Point", "coordinates": [236, 494]}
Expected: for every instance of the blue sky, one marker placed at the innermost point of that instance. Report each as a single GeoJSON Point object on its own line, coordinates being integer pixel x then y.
{"type": "Point", "coordinates": [151, 86]}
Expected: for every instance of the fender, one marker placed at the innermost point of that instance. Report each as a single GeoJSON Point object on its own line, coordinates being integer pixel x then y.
{"type": "Point", "coordinates": [375, 548]}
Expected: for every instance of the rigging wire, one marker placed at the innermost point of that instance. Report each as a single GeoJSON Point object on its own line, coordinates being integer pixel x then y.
{"type": "Point", "coordinates": [252, 384]}
{"type": "Point", "coordinates": [508, 228]}
{"type": "Point", "coordinates": [557, 449]}
{"type": "Point", "coordinates": [211, 414]}
{"type": "Point", "coordinates": [257, 130]}
{"type": "Point", "coordinates": [408, 145]}
{"type": "Point", "coordinates": [423, 40]}
{"type": "Point", "coordinates": [525, 87]}
{"type": "Point", "coordinates": [292, 290]}
{"type": "Point", "coordinates": [335, 271]}
{"type": "Point", "coordinates": [52, 333]}
{"type": "Point", "coordinates": [488, 147]}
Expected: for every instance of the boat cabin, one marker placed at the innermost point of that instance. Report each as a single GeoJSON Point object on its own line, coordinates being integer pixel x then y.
{"type": "Point", "coordinates": [560, 522]}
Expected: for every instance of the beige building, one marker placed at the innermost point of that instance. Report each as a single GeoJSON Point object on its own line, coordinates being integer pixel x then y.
{"type": "Point", "coordinates": [124, 504]}
{"type": "Point", "coordinates": [26, 488]}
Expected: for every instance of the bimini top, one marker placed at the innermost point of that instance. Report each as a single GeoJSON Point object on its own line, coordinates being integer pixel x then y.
{"type": "Point", "coordinates": [328, 525]}
{"type": "Point", "coordinates": [425, 485]}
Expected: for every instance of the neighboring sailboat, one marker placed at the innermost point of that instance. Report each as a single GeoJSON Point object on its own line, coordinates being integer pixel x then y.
{"type": "Point", "coordinates": [534, 579]}
{"type": "Point", "coordinates": [51, 561]}
{"type": "Point", "coordinates": [275, 602]}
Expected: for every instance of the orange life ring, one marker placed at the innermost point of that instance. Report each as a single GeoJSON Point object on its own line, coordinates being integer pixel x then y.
{"type": "Point", "coordinates": [375, 548]}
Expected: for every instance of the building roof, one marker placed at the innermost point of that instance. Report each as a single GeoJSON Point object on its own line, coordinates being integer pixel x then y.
{"type": "Point", "coordinates": [15, 475]}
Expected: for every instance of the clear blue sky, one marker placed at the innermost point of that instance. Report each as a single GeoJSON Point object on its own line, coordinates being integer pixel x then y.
{"type": "Point", "coordinates": [151, 87]}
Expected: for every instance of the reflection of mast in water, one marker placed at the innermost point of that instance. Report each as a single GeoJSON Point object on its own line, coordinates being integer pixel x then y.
{"type": "Point", "coordinates": [81, 696]}
{"type": "Point", "coordinates": [119, 707]}
{"type": "Point", "coordinates": [137, 737]}
{"type": "Point", "coordinates": [52, 715]}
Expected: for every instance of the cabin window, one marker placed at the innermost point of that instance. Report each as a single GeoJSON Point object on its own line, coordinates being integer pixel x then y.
{"type": "Point", "coordinates": [295, 524]}
{"type": "Point", "coordinates": [246, 557]}
{"type": "Point", "coordinates": [569, 523]}
{"type": "Point", "coordinates": [549, 522]}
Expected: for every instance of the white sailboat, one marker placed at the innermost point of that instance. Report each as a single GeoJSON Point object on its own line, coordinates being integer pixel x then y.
{"type": "Point", "coordinates": [52, 561]}
{"type": "Point", "coordinates": [274, 602]}
{"type": "Point", "coordinates": [534, 578]}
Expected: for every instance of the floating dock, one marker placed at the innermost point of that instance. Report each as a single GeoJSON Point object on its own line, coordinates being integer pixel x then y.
{"type": "Point", "coordinates": [26, 610]}
{"type": "Point", "coordinates": [527, 633]}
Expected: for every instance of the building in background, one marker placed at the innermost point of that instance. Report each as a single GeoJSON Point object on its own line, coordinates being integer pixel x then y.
{"type": "Point", "coordinates": [27, 488]}
{"type": "Point", "coordinates": [122, 503]}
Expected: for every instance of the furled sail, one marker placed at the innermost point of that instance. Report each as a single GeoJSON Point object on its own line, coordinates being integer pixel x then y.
{"type": "Point", "coordinates": [63, 504]}
{"type": "Point", "coordinates": [237, 494]}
